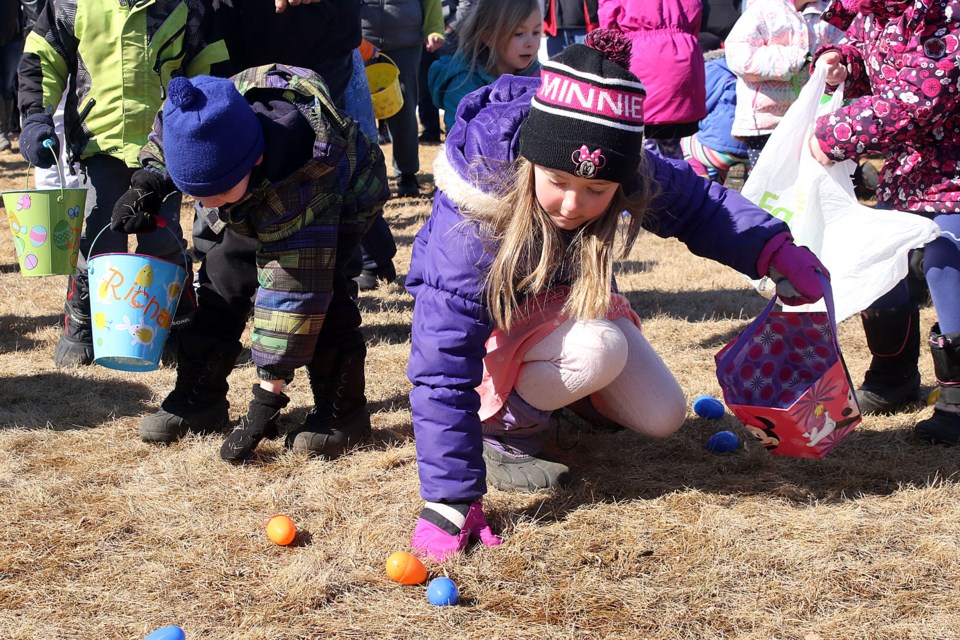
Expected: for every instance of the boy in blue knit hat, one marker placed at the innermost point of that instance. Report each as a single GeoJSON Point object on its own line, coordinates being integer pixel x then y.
{"type": "Point", "coordinates": [269, 153]}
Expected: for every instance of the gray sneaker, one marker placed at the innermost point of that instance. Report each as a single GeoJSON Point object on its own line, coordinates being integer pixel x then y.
{"type": "Point", "coordinates": [517, 464]}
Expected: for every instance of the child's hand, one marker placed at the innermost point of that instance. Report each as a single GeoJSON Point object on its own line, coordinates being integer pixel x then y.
{"type": "Point", "coordinates": [836, 70]}
{"type": "Point", "coordinates": [280, 5]}
{"type": "Point", "coordinates": [797, 271]}
{"type": "Point", "coordinates": [814, 145]}
{"type": "Point", "coordinates": [368, 51]}
{"type": "Point", "coordinates": [37, 129]}
{"type": "Point", "coordinates": [434, 42]}
{"type": "Point", "coordinates": [136, 210]}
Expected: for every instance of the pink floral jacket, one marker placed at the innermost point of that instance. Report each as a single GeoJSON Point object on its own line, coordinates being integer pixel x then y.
{"type": "Point", "coordinates": [902, 56]}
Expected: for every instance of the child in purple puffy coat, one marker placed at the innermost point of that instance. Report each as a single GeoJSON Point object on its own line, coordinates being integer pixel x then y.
{"type": "Point", "coordinates": [516, 312]}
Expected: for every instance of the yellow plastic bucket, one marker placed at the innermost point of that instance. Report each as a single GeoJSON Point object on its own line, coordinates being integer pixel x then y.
{"type": "Point", "coordinates": [46, 224]}
{"type": "Point", "coordinates": [383, 79]}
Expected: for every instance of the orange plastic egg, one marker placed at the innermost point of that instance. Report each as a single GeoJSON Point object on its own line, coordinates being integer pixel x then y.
{"type": "Point", "coordinates": [406, 568]}
{"type": "Point", "coordinates": [280, 529]}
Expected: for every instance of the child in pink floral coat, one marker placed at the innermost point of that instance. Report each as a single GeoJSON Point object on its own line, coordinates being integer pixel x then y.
{"type": "Point", "coordinates": [900, 66]}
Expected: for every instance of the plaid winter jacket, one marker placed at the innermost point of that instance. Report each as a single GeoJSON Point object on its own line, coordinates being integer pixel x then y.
{"type": "Point", "coordinates": [298, 219]}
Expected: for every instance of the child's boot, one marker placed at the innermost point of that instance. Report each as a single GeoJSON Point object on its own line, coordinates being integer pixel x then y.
{"type": "Point", "coordinates": [259, 423]}
{"type": "Point", "coordinates": [339, 420]}
{"type": "Point", "coordinates": [513, 452]}
{"type": "Point", "coordinates": [75, 347]}
{"type": "Point", "coordinates": [893, 379]}
{"type": "Point", "coordinates": [944, 426]}
{"type": "Point", "coordinates": [444, 528]}
{"type": "Point", "coordinates": [198, 402]}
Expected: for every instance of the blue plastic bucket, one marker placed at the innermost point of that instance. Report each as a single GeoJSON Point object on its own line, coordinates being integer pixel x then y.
{"type": "Point", "coordinates": [133, 298]}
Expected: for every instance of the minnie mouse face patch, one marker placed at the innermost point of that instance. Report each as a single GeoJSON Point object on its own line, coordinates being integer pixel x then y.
{"type": "Point", "coordinates": [587, 163]}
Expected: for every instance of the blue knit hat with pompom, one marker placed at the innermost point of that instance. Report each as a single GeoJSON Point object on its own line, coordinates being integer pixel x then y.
{"type": "Point", "coordinates": [211, 136]}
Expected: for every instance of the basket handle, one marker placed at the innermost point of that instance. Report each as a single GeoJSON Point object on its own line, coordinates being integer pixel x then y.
{"type": "Point", "coordinates": [161, 224]}
{"type": "Point", "coordinates": [48, 144]}
{"type": "Point", "coordinates": [383, 55]}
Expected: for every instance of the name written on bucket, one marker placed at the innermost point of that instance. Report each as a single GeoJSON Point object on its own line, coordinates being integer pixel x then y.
{"type": "Point", "coordinates": [113, 287]}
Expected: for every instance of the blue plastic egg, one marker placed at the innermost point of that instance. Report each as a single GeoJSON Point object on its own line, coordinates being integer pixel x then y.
{"type": "Point", "coordinates": [723, 442]}
{"type": "Point", "coordinates": [172, 632]}
{"type": "Point", "coordinates": [708, 407]}
{"type": "Point", "coordinates": [442, 592]}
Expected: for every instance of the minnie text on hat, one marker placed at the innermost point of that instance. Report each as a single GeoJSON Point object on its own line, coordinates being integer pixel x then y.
{"type": "Point", "coordinates": [619, 108]}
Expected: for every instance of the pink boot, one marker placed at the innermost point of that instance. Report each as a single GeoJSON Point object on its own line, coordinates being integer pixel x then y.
{"type": "Point", "coordinates": [444, 529]}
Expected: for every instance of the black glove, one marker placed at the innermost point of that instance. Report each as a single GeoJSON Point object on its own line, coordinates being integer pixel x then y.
{"type": "Point", "coordinates": [136, 211]}
{"type": "Point", "coordinates": [36, 129]}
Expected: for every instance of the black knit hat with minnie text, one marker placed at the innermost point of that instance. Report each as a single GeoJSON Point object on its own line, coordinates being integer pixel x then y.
{"type": "Point", "coordinates": [587, 116]}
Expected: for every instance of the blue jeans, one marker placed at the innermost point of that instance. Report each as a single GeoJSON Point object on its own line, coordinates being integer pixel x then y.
{"type": "Point", "coordinates": [941, 267]}
{"type": "Point", "coordinates": [358, 103]}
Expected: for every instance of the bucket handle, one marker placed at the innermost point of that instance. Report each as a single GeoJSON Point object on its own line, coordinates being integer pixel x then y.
{"type": "Point", "coordinates": [48, 144]}
{"type": "Point", "coordinates": [161, 224]}
{"type": "Point", "coordinates": [383, 55]}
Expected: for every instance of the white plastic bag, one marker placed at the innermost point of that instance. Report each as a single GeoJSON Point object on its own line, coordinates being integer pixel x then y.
{"type": "Point", "coordinates": [864, 249]}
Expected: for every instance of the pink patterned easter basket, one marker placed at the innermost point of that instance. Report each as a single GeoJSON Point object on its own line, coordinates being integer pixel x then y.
{"type": "Point", "coordinates": [785, 379]}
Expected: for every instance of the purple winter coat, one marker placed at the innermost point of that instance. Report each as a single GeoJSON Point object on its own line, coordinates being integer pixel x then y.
{"type": "Point", "coordinates": [451, 323]}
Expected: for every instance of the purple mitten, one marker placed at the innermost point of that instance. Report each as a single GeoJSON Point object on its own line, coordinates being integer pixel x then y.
{"type": "Point", "coordinates": [445, 528]}
{"type": "Point", "coordinates": [796, 270]}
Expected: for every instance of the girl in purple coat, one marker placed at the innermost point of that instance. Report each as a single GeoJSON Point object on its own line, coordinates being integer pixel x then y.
{"type": "Point", "coordinates": [900, 64]}
{"type": "Point", "coordinates": [516, 312]}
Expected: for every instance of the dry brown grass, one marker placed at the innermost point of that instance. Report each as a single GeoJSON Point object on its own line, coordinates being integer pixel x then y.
{"type": "Point", "coordinates": [104, 536]}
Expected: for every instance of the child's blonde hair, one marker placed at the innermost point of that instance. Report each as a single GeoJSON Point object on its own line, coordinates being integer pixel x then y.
{"type": "Point", "coordinates": [531, 252]}
{"type": "Point", "coordinates": [493, 21]}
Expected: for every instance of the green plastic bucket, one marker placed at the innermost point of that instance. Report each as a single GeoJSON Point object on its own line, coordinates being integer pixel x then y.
{"type": "Point", "coordinates": [46, 224]}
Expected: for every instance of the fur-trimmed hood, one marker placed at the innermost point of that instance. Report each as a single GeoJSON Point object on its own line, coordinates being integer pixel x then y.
{"type": "Point", "coordinates": [483, 141]}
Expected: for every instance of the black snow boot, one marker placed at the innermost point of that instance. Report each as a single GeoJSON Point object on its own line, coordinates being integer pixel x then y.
{"type": "Point", "coordinates": [259, 423]}
{"type": "Point", "coordinates": [893, 379]}
{"type": "Point", "coordinates": [75, 347]}
{"type": "Point", "coordinates": [944, 426]}
{"type": "Point", "coordinates": [339, 420]}
{"type": "Point", "coordinates": [198, 402]}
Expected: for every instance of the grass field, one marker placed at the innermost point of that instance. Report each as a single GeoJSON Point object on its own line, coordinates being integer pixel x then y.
{"type": "Point", "coordinates": [103, 536]}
